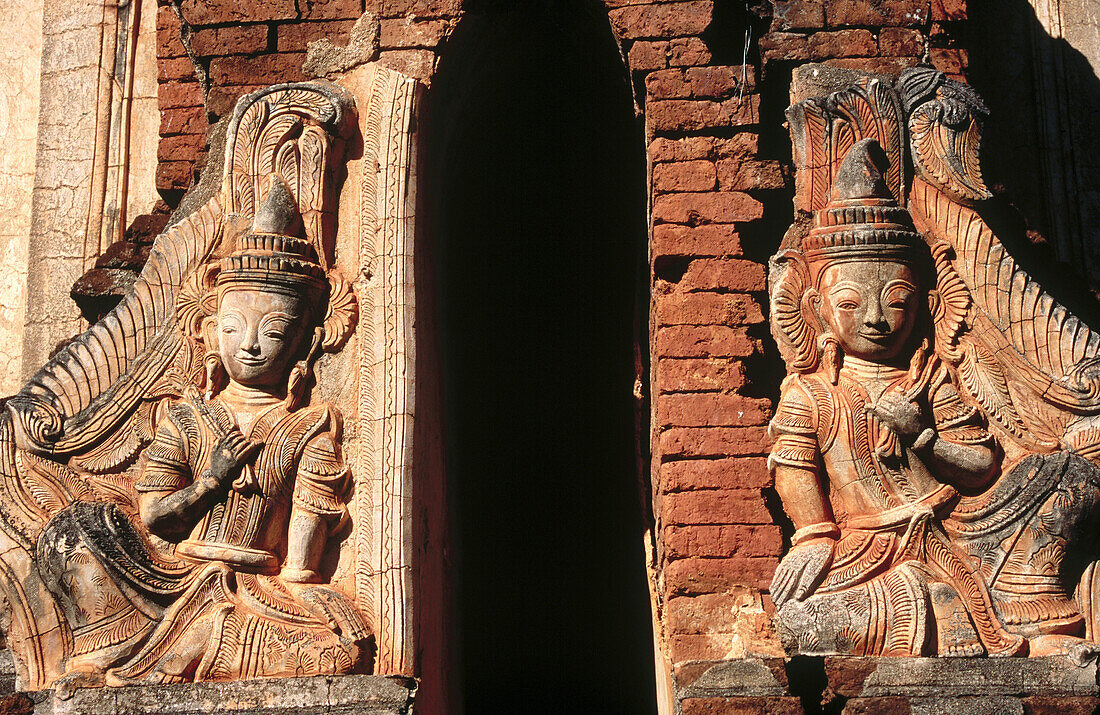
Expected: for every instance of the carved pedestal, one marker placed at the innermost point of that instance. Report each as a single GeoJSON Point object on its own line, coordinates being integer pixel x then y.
{"type": "Point", "coordinates": [351, 694]}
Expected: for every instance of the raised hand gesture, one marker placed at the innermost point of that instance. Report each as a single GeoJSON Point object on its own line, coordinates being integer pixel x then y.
{"type": "Point", "coordinates": [231, 452]}
{"type": "Point", "coordinates": [905, 417]}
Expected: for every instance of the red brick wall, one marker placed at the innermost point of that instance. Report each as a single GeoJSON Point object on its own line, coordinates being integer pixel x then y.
{"type": "Point", "coordinates": [875, 35]}
{"type": "Point", "coordinates": [716, 543]}
{"type": "Point", "coordinates": [717, 538]}
{"type": "Point", "coordinates": [241, 45]}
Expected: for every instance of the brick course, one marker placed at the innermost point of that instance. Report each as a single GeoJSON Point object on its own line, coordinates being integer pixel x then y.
{"type": "Point", "coordinates": [675, 19]}
{"type": "Point", "coordinates": [709, 184]}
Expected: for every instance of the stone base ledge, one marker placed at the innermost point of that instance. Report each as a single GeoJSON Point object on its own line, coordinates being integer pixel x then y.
{"type": "Point", "coordinates": [871, 685]}
{"type": "Point", "coordinates": [368, 694]}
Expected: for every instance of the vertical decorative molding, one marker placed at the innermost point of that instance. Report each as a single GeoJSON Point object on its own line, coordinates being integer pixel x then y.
{"type": "Point", "coordinates": [387, 368]}
{"type": "Point", "coordinates": [20, 80]}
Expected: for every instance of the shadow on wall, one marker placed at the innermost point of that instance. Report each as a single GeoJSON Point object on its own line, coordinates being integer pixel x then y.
{"type": "Point", "coordinates": [535, 178]}
{"type": "Point", "coordinates": [1041, 146]}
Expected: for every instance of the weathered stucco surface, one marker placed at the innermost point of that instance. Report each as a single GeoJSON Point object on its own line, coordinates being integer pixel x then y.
{"type": "Point", "coordinates": [59, 205]}
{"type": "Point", "coordinates": [97, 133]}
{"type": "Point", "coordinates": [141, 164]}
{"type": "Point", "coordinates": [20, 55]}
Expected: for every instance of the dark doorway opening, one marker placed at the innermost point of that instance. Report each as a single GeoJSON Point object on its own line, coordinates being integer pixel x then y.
{"type": "Point", "coordinates": [535, 193]}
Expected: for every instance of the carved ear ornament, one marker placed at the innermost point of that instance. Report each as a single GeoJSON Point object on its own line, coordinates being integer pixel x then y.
{"type": "Point", "coordinates": [791, 323]}
{"type": "Point", "coordinates": [342, 313]}
{"type": "Point", "coordinates": [197, 300]}
{"type": "Point", "coordinates": [832, 357]}
{"type": "Point", "coordinates": [949, 304]}
{"type": "Point", "coordinates": [298, 381]}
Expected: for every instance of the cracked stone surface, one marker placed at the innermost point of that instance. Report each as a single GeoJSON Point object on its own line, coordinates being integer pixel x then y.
{"type": "Point", "coordinates": [373, 695]}
{"type": "Point", "coordinates": [20, 47]}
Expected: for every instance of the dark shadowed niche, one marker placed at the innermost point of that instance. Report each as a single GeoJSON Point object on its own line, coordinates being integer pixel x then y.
{"type": "Point", "coordinates": [535, 198]}
{"type": "Point", "coordinates": [1040, 147]}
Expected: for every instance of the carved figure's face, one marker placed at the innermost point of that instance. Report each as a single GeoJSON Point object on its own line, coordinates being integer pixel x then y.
{"type": "Point", "coordinates": [259, 336]}
{"type": "Point", "coordinates": [871, 306]}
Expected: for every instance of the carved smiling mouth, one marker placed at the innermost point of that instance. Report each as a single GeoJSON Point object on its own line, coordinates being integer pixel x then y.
{"type": "Point", "coordinates": [876, 337]}
{"type": "Point", "coordinates": [250, 361]}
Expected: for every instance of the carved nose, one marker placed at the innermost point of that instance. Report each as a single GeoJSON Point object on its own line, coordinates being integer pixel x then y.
{"type": "Point", "coordinates": [249, 343]}
{"type": "Point", "coordinates": [875, 316]}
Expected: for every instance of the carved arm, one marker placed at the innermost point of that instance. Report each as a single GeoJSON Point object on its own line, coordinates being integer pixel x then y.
{"type": "Point", "coordinates": [811, 554]}
{"type": "Point", "coordinates": [953, 443]}
{"type": "Point", "coordinates": [306, 542]}
{"type": "Point", "coordinates": [795, 459]}
{"type": "Point", "coordinates": [966, 465]}
{"type": "Point", "coordinates": [171, 514]}
{"type": "Point", "coordinates": [318, 509]}
{"type": "Point", "coordinates": [802, 495]}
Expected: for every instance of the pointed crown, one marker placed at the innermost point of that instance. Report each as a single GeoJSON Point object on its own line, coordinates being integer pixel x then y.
{"type": "Point", "coordinates": [275, 254]}
{"type": "Point", "coordinates": [862, 219]}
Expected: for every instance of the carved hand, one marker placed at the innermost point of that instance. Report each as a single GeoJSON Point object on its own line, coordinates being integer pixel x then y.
{"type": "Point", "coordinates": [905, 417]}
{"type": "Point", "coordinates": [801, 570]}
{"type": "Point", "coordinates": [230, 453]}
{"type": "Point", "coordinates": [333, 607]}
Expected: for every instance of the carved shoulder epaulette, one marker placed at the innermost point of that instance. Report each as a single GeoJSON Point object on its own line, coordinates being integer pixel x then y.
{"type": "Point", "coordinates": [166, 459]}
{"type": "Point", "coordinates": [794, 427]}
{"type": "Point", "coordinates": [795, 413]}
{"type": "Point", "coordinates": [824, 398]}
{"type": "Point", "coordinates": [321, 480]}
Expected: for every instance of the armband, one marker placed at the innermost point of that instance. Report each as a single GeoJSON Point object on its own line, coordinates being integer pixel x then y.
{"type": "Point", "coordinates": [824, 530]}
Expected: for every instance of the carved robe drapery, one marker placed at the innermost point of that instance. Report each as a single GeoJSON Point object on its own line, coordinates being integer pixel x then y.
{"type": "Point", "coordinates": [227, 609]}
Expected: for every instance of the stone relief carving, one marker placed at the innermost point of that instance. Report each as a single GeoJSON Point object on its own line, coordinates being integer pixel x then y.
{"type": "Point", "coordinates": [179, 502]}
{"type": "Point", "coordinates": [936, 442]}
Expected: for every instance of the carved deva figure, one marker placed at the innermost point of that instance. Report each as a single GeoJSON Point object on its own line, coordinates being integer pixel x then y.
{"type": "Point", "coordinates": [245, 483]}
{"type": "Point", "coordinates": [935, 439]}
{"type": "Point", "coordinates": [176, 520]}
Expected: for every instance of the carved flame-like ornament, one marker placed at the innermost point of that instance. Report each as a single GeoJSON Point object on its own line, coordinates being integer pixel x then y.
{"type": "Point", "coordinates": [174, 495]}
{"type": "Point", "coordinates": [936, 440]}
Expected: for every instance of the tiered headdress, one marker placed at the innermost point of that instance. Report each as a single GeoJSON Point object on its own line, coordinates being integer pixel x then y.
{"type": "Point", "coordinates": [862, 219]}
{"type": "Point", "coordinates": [275, 254]}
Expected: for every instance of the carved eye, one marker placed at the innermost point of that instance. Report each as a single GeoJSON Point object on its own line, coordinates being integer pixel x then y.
{"type": "Point", "coordinates": [229, 324]}
{"type": "Point", "coordinates": [898, 298]}
{"type": "Point", "coordinates": [274, 329]}
{"type": "Point", "coordinates": [847, 300]}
